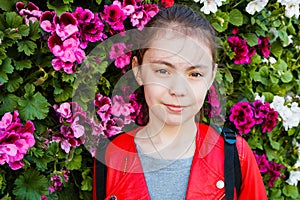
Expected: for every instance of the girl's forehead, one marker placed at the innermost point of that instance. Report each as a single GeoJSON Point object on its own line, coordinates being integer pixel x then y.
{"type": "Point", "coordinates": [180, 50]}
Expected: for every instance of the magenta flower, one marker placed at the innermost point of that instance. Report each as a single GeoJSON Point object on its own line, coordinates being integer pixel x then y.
{"type": "Point", "coordinates": [143, 14]}
{"type": "Point", "coordinates": [270, 121]}
{"type": "Point", "coordinates": [114, 16]}
{"type": "Point", "coordinates": [121, 54]}
{"type": "Point", "coordinates": [127, 6]}
{"type": "Point", "coordinates": [271, 168]}
{"type": "Point", "coordinates": [213, 100]}
{"type": "Point", "coordinates": [243, 53]}
{"type": "Point", "coordinates": [15, 140]}
{"type": "Point", "coordinates": [103, 105]}
{"type": "Point", "coordinates": [67, 26]}
{"type": "Point", "coordinates": [113, 127]}
{"type": "Point", "coordinates": [119, 107]}
{"type": "Point", "coordinates": [263, 44]}
{"type": "Point", "coordinates": [56, 184]}
{"type": "Point", "coordinates": [44, 197]}
{"type": "Point", "coordinates": [30, 13]}
{"type": "Point", "coordinates": [242, 117]}
{"type": "Point", "coordinates": [90, 26]}
{"type": "Point", "coordinates": [48, 21]}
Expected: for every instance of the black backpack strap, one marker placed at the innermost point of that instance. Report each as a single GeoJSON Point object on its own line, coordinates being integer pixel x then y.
{"type": "Point", "coordinates": [232, 167]}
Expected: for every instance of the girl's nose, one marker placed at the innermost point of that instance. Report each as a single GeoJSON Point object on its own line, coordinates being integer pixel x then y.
{"type": "Point", "coordinates": [178, 86]}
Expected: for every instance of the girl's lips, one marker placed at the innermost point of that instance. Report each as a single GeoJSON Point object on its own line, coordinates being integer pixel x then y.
{"type": "Point", "coordinates": [174, 108]}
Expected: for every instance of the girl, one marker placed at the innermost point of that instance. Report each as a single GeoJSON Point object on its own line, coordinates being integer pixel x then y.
{"type": "Point", "coordinates": [173, 156]}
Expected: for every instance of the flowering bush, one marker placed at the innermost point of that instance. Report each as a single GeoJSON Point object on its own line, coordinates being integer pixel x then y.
{"type": "Point", "coordinates": [48, 136]}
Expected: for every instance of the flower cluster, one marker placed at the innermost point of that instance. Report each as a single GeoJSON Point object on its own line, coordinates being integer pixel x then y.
{"type": "Point", "coordinates": [295, 174]}
{"type": "Point", "coordinates": [30, 13]}
{"type": "Point", "coordinates": [115, 113]}
{"type": "Point", "coordinates": [72, 132]}
{"type": "Point", "coordinates": [210, 5]}
{"type": "Point", "coordinates": [57, 180]}
{"type": "Point", "coordinates": [244, 53]}
{"type": "Point", "coordinates": [268, 167]}
{"type": "Point", "coordinates": [121, 54]}
{"type": "Point", "coordinates": [245, 115]}
{"type": "Point", "coordinates": [288, 110]}
{"type": "Point", "coordinates": [213, 100]}
{"type": "Point", "coordinates": [139, 14]}
{"type": "Point", "coordinates": [15, 140]}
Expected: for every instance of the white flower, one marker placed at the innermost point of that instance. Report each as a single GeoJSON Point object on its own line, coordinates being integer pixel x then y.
{"type": "Point", "coordinates": [291, 8]}
{"type": "Point", "coordinates": [278, 103]}
{"type": "Point", "coordinates": [272, 60]}
{"type": "Point", "coordinates": [256, 6]}
{"type": "Point", "coordinates": [290, 41]}
{"type": "Point", "coordinates": [294, 178]}
{"type": "Point", "coordinates": [261, 98]}
{"type": "Point", "coordinates": [210, 5]}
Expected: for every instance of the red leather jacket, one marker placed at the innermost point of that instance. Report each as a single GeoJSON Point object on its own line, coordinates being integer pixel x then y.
{"type": "Point", "coordinates": [125, 177]}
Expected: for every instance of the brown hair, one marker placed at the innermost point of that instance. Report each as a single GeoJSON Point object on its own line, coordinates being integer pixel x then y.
{"type": "Point", "coordinates": [181, 19]}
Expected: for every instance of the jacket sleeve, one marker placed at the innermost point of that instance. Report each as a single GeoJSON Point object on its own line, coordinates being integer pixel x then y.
{"type": "Point", "coordinates": [252, 187]}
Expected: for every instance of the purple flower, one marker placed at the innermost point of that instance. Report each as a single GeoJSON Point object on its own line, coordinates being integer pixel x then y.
{"type": "Point", "coordinates": [114, 16]}
{"type": "Point", "coordinates": [90, 26]}
{"type": "Point", "coordinates": [15, 140]}
{"type": "Point", "coordinates": [263, 44]}
{"type": "Point", "coordinates": [56, 184]}
{"type": "Point", "coordinates": [103, 105]}
{"type": "Point", "coordinates": [121, 54]}
{"type": "Point", "coordinates": [242, 117]}
{"type": "Point", "coordinates": [48, 21]}
{"type": "Point", "coordinates": [119, 107]}
{"type": "Point", "coordinates": [243, 53]}
{"type": "Point", "coordinates": [270, 121]}
{"type": "Point", "coordinates": [66, 26]}
{"type": "Point", "coordinates": [143, 14]}
{"type": "Point", "coordinates": [271, 168]}
{"type": "Point", "coordinates": [31, 12]}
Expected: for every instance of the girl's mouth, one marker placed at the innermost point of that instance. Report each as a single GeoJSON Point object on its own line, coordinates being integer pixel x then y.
{"type": "Point", "coordinates": [174, 108]}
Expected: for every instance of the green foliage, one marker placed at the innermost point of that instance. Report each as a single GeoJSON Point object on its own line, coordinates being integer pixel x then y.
{"type": "Point", "coordinates": [31, 185]}
{"type": "Point", "coordinates": [30, 85]}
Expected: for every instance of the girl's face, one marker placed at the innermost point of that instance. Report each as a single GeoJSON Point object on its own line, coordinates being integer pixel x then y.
{"type": "Point", "coordinates": [176, 74]}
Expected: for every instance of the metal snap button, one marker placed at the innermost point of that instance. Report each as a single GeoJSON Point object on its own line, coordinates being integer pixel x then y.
{"type": "Point", "coordinates": [113, 197]}
{"type": "Point", "coordinates": [220, 184]}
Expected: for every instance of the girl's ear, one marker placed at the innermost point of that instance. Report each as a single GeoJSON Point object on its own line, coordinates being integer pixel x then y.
{"type": "Point", "coordinates": [136, 68]}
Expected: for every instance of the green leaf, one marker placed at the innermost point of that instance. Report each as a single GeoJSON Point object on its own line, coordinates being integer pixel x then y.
{"type": "Point", "coordinates": [75, 163]}
{"type": "Point", "coordinates": [33, 106]}
{"type": "Point", "coordinates": [29, 90]}
{"type": "Point", "coordinates": [98, 2]}
{"type": "Point", "coordinates": [287, 77]}
{"type": "Point", "coordinates": [68, 77]}
{"type": "Point", "coordinates": [30, 186]}
{"type": "Point", "coordinates": [20, 65]}
{"type": "Point", "coordinates": [291, 191]}
{"type": "Point", "coordinates": [8, 103]}
{"type": "Point", "coordinates": [14, 82]}
{"type": "Point", "coordinates": [5, 68]}
{"type": "Point", "coordinates": [236, 17]}
{"type": "Point", "coordinates": [8, 5]}
{"type": "Point", "coordinates": [251, 39]}
{"type": "Point", "coordinates": [268, 96]}
{"type": "Point", "coordinates": [221, 21]}
{"type": "Point", "coordinates": [27, 46]}
{"type": "Point", "coordinates": [276, 49]}
{"type": "Point", "coordinates": [67, 1]}
{"type": "Point", "coordinates": [24, 30]}
{"type": "Point", "coordinates": [34, 30]}
{"type": "Point", "coordinates": [65, 94]}
{"type": "Point", "coordinates": [13, 20]}
{"type": "Point", "coordinates": [87, 182]}
{"type": "Point", "coordinates": [58, 7]}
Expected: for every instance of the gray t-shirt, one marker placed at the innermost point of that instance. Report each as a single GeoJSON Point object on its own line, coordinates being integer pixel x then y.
{"type": "Point", "coordinates": [166, 179]}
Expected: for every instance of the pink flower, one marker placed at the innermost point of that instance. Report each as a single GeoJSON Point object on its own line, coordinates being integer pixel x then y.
{"type": "Point", "coordinates": [48, 21]}
{"type": "Point", "coordinates": [31, 12]}
{"type": "Point", "coordinates": [243, 53]}
{"type": "Point", "coordinates": [90, 26]}
{"type": "Point", "coordinates": [121, 54]}
{"type": "Point", "coordinates": [67, 26]}
{"type": "Point", "coordinates": [15, 140]}
{"type": "Point", "coordinates": [213, 100]}
{"type": "Point", "coordinates": [103, 105]}
{"type": "Point", "coordinates": [113, 127]}
{"type": "Point", "coordinates": [143, 14]}
{"type": "Point", "coordinates": [127, 6]}
{"type": "Point", "coordinates": [114, 16]}
{"type": "Point", "coordinates": [64, 111]}
{"type": "Point", "coordinates": [270, 121]}
{"type": "Point", "coordinates": [68, 67]}
{"type": "Point", "coordinates": [119, 107]}
{"type": "Point", "coordinates": [44, 197]}
{"type": "Point", "coordinates": [263, 44]}
{"type": "Point", "coordinates": [242, 117]}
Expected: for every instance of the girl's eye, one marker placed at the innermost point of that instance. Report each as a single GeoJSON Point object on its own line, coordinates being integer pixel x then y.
{"type": "Point", "coordinates": [162, 71]}
{"type": "Point", "coordinates": [196, 74]}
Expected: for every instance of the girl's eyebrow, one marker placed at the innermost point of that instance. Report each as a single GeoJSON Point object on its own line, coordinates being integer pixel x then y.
{"type": "Point", "coordinates": [172, 66]}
